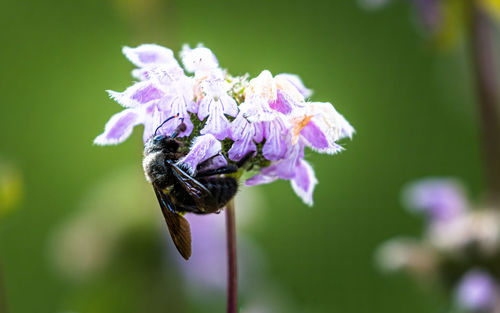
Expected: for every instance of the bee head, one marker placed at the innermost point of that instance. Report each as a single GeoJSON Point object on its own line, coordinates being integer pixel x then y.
{"type": "Point", "coordinates": [161, 143]}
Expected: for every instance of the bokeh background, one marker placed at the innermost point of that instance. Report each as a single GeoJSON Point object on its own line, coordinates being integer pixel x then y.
{"type": "Point", "coordinates": [83, 233]}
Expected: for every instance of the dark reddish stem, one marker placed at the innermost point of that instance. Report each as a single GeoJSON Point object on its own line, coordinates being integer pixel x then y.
{"type": "Point", "coordinates": [484, 66]}
{"type": "Point", "coordinates": [232, 269]}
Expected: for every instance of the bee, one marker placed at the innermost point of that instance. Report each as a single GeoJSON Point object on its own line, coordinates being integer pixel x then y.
{"type": "Point", "coordinates": [178, 192]}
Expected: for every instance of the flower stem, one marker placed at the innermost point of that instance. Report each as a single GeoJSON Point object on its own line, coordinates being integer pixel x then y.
{"type": "Point", "coordinates": [232, 271]}
{"type": "Point", "coordinates": [484, 67]}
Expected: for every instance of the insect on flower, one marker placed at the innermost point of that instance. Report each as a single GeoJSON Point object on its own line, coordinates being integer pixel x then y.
{"type": "Point", "coordinates": [202, 131]}
{"type": "Point", "coordinates": [178, 192]}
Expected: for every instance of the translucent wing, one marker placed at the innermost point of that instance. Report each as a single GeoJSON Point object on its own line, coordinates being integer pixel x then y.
{"type": "Point", "coordinates": [201, 195]}
{"type": "Point", "coordinates": [178, 226]}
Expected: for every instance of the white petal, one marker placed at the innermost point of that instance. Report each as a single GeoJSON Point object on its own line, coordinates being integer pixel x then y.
{"type": "Point", "coordinates": [296, 82]}
{"type": "Point", "coordinates": [229, 105]}
{"type": "Point", "coordinates": [332, 123]}
{"type": "Point", "coordinates": [149, 54]}
{"type": "Point", "coordinates": [262, 85]}
{"type": "Point", "coordinates": [198, 59]}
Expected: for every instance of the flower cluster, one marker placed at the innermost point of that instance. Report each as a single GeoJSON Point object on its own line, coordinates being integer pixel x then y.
{"type": "Point", "coordinates": [268, 116]}
{"type": "Point", "coordinates": [460, 245]}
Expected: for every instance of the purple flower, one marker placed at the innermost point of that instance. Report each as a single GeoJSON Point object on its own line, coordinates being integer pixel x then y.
{"type": "Point", "coordinates": [163, 92]}
{"type": "Point", "coordinates": [441, 199]}
{"type": "Point", "coordinates": [244, 134]}
{"type": "Point", "coordinates": [267, 115]}
{"type": "Point", "coordinates": [214, 105]}
{"type": "Point", "coordinates": [319, 129]}
{"type": "Point", "coordinates": [293, 168]}
{"type": "Point", "coordinates": [206, 267]}
{"type": "Point", "coordinates": [119, 127]}
{"type": "Point", "coordinates": [477, 291]}
{"type": "Point", "coordinates": [148, 56]}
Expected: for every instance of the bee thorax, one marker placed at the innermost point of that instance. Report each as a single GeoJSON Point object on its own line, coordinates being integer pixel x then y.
{"type": "Point", "coordinates": [154, 166]}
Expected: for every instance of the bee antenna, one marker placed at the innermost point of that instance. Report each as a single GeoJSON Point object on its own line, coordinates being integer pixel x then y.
{"type": "Point", "coordinates": [168, 119]}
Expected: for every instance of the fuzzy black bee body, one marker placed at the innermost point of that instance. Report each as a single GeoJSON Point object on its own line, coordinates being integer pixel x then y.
{"type": "Point", "coordinates": [178, 192]}
{"type": "Point", "coordinates": [222, 189]}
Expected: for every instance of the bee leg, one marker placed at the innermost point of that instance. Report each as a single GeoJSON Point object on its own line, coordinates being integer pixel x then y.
{"type": "Point", "coordinates": [229, 169]}
{"type": "Point", "coordinates": [245, 159]}
{"type": "Point", "coordinates": [217, 171]}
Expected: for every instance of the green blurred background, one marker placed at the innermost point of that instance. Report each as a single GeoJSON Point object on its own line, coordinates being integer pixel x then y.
{"type": "Point", "coordinates": [413, 108]}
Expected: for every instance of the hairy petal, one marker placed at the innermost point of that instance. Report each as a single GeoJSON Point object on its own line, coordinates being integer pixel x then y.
{"type": "Point", "coordinates": [296, 82]}
{"type": "Point", "coordinates": [283, 103]}
{"type": "Point", "coordinates": [229, 105]}
{"type": "Point", "coordinates": [286, 167]}
{"type": "Point", "coordinates": [304, 182]}
{"type": "Point", "coordinates": [240, 128]}
{"type": "Point", "coordinates": [315, 136]}
{"type": "Point", "coordinates": [202, 148]}
{"type": "Point", "coordinates": [216, 124]}
{"type": "Point", "coordinates": [263, 86]}
{"type": "Point", "coordinates": [332, 123]}
{"type": "Point", "coordinates": [215, 90]}
{"type": "Point", "coordinates": [203, 108]}
{"type": "Point", "coordinates": [256, 109]}
{"type": "Point", "coordinates": [215, 162]}
{"type": "Point", "coordinates": [277, 140]}
{"type": "Point", "coordinates": [118, 128]}
{"type": "Point", "coordinates": [241, 148]}
{"type": "Point", "coordinates": [136, 95]}
{"type": "Point", "coordinates": [259, 132]}
{"type": "Point", "coordinates": [199, 59]}
{"type": "Point", "coordinates": [260, 179]}
{"type": "Point", "coordinates": [149, 54]}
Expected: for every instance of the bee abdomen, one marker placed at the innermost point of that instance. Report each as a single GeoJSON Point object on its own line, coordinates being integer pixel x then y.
{"type": "Point", "coordinates": [223, 189]}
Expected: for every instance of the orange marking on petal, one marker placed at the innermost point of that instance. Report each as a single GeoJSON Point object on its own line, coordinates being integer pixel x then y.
{"type": "Point", "coordinates": [299, 125]}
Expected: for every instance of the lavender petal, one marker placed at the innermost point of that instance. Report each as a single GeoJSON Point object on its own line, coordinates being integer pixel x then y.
{"type": "Point", "coordinates": [149, 54]}
{"type": "Point", "coordinates": [136, 95]}
{"type": "Point", "coordinates": [118, 128]}
{"type": "Point", "coordinates": [202, 148]}
{"type": "Point", "coordinates": [297, 83]}
{"type": "Point", "coordinates": [304, 182]}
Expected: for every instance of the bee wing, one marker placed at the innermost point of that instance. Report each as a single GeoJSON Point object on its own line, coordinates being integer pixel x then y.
{"type": "Point", "coordinates": [178, 226]}
{"type": "Point", "coordinates": [202, 196]}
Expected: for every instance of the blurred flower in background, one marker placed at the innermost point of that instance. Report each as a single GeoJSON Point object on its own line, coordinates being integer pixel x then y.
{"type": "Point", "coordinates": [458, 239]}
{"type": "Point", "coordinates": [11, 187]}
{"type": "Point", "coordinates": [478, 291]}
{"type": "Point", "coordinates": [89, 243]}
